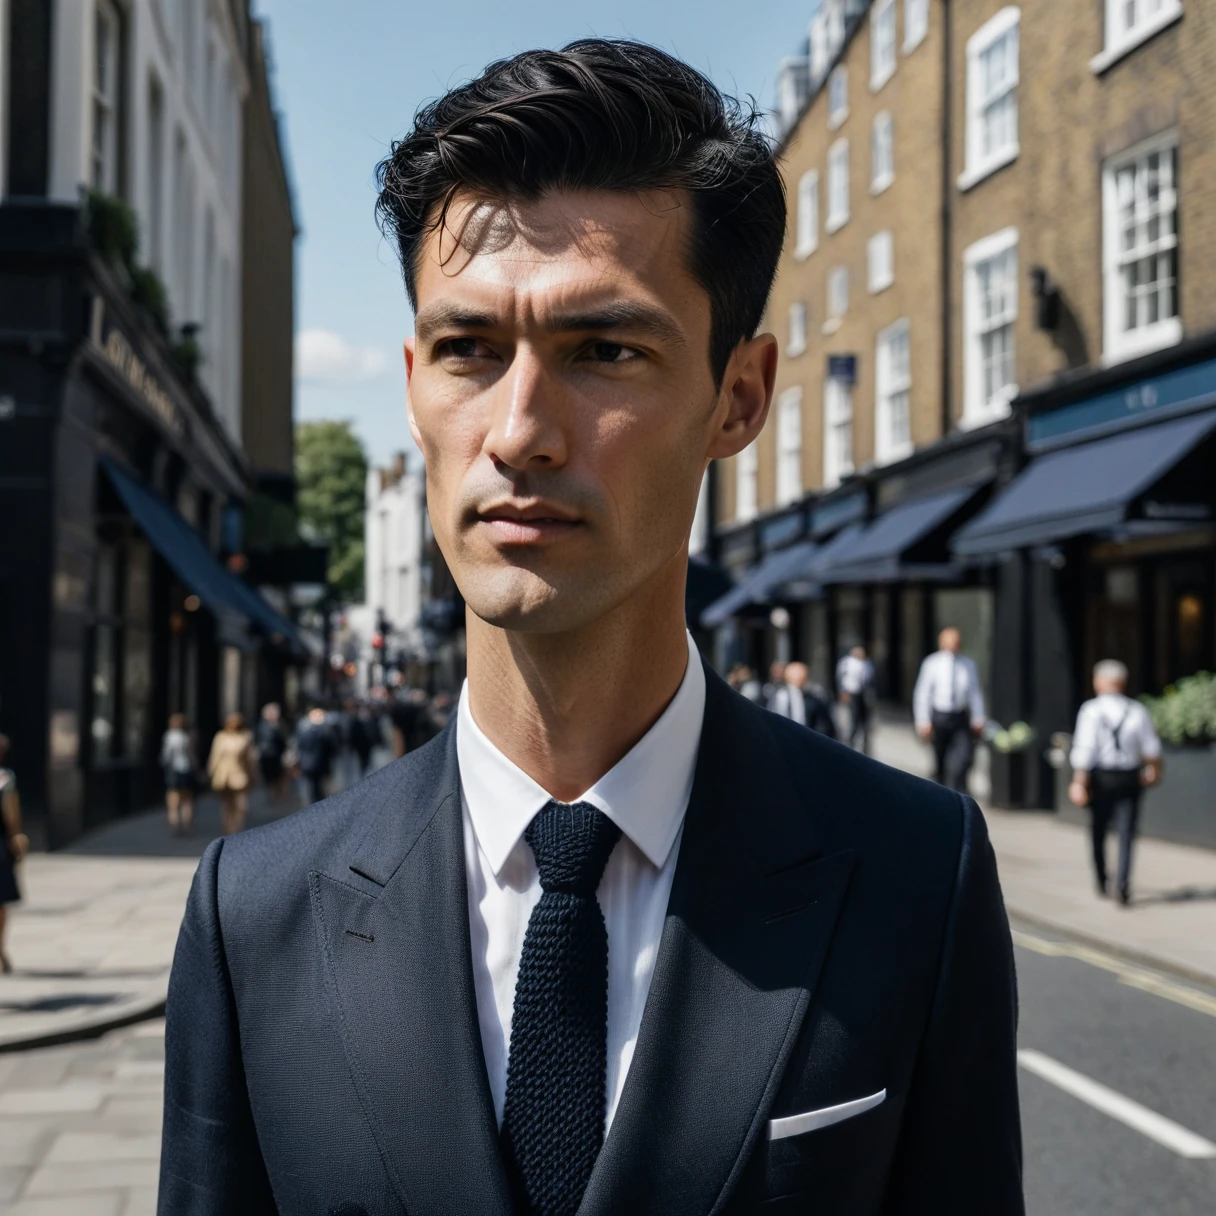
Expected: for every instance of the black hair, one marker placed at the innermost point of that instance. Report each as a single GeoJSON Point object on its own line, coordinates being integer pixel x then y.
{"type": "Point", "coordinates": [602, 114]}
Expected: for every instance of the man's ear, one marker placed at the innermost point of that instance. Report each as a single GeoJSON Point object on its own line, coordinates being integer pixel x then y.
{"type": "Point", "coordinates": [408, 347]}
{"type": "Point", "coordinates": [745, 396]}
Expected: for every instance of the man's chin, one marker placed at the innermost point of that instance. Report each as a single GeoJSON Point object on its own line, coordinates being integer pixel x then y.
{"type": "Point", "coordinates": [523, 602]}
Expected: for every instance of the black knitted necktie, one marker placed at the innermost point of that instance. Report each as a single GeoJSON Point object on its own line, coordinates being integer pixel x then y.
{"type": "Point", "coordinates": [553, 1122]}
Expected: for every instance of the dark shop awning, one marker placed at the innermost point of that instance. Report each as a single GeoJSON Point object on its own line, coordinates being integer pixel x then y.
{"type": "Point", "coordinates": [183, 548]}
{"type": "Point", "coordinates": [803, 582]}
{"type": "Point", "coordinates": [885, 551]}
{"type": "Point", "coordinates": [757, 586]}
{"type": "Point", "coordinates": [1087, 488]}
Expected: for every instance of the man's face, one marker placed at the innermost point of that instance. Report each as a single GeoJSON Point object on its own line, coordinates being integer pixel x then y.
{"type": "Point", "coordinates": [796, 674]}
{"type": "Point", "coordinates": [561, 393]}
{"type": "Point", "coordinates": [951, 640]}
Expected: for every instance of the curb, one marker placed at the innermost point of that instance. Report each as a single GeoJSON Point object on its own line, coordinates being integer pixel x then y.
{"type": "Point", "coordinates": [84, 1027]}
{"type": "Point", "coordinates": [1142, 958]}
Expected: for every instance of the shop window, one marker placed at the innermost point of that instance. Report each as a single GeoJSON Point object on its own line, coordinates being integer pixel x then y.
{"type": "Point", "coordinates": [838, 185]}
{"type": "Point", "coordinates": [1129, 23]}
{"type": "Point", "coordinates": [807, 239]}
{"type": "Point", "coordinates": [838, 430]}
{"type": "Point", "coordinates": [882, 152]}
{"type": "Point", "coordinates": [916, 23]}
{"type": "Point", "coordinates": [103, 151]}
{"type": "Point", "coordinates": [1140, 246]}
{"type": "Point", "coordinates": [882, 43]}
{"type": "Point", "coordinates": [789, 446]}
{"type": "Point", "coordinates": [893, 387]}
{"type": "Point", "coordinates": [990, 310]}
{"type": "Point", "coordinates": [992, 97]}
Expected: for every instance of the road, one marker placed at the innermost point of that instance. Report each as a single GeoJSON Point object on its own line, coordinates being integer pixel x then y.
{"type": "Point", "coordinates": [79, 1124]}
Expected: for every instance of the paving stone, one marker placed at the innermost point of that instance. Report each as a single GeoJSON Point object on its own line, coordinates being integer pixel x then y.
{"type": "Point", "coordinates": [101, 1204]}
{"type": "Point", "coordinates": [66, 1100]}
{"type": "Point", "coordinates": [78, 1147]}
{"type": "Point", "coordinates": [59, 1179]}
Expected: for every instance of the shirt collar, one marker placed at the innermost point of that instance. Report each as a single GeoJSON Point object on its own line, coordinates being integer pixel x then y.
{"type": "Point", "coordinates": [645, 793]}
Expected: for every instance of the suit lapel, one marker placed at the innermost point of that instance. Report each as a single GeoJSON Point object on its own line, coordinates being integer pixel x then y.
{"type": "Point", "coordinates": [394, 930]}
{"type": "Point", "coordinates": [752, 911]}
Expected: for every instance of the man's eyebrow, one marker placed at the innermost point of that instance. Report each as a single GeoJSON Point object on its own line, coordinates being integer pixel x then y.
{"type": "Point", "coordinates": [450, 316]}
{"type": "Point", "coordinates": [622, 314]}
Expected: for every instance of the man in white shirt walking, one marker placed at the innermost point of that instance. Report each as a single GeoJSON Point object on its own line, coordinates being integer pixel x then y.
{"type": "Point", "coordinates": [855, 688]}
{"type": "Point", "coordinates": [1115, 754]}
{"type": "Point", "coordinates": [948, 705]}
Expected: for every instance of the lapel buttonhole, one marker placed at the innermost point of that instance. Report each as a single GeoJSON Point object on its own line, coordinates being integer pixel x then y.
{"type": "Point", "coordinates": [363, 937]}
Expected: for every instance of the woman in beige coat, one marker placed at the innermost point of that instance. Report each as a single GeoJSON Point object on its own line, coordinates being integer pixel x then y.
{"type": "Point", "coordinates": [230, 768]}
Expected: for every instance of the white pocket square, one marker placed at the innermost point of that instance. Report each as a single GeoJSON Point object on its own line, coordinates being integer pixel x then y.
{"type": "Point", "coordinates": [813, 1120]}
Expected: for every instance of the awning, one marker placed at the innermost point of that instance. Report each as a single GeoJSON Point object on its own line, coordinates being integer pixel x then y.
{"type": "Point", "coordinates": [884, 551]}
{"type": "Point", "coordinates": [803, 582]}
{"type": "Point", "coordinates": [757, 585]}
{"type": "Point", "coordinates": [183, 548]}
{"type": "Point", "coordinates": [1086, 488]}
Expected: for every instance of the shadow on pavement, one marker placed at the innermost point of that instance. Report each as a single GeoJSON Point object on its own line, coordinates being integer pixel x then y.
{"type": "Point", "coordinates": [1181, 895]}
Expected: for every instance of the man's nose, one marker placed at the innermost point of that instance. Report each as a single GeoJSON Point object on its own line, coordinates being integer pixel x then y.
{"type": "Point", "coordinates": [528, 423]}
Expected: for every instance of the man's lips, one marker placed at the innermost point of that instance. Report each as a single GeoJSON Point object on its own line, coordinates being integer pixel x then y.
{"type": "Point", "coordinates": [512, 524]}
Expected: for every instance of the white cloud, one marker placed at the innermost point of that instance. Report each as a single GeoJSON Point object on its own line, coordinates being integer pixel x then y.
{"type": "Point", "coordinates": [322, 354]}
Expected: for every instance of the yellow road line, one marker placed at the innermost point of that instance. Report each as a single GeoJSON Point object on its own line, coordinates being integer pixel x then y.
{"type": "Point", "coordinates": [1132, 976]}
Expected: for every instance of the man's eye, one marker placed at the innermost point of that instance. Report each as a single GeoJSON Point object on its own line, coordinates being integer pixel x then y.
{"type": "Point", "coordinates": [612, 352]}
{"type": "Point", "coordinates": [464, 348]}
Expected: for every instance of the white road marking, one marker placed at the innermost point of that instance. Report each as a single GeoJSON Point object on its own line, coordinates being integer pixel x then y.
{"type": "Point", "coordinates": [1147, 1122]}
{"type": "Point", "coordinates": [1126, 973]}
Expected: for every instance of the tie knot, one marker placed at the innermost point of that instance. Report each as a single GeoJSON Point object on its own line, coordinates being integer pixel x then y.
{"type": "Point", "coordinates": [571, 842]}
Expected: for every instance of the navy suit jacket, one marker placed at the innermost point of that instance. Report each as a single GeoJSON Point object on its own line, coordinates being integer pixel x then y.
{"type": "Point", "coordinates": [835, 929]}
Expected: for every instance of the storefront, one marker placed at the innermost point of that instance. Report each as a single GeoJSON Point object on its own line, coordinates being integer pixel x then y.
{"type": "Point", "coordinates": [120, 495]}
{"type": "Point", "coordinates": [1104, 546]}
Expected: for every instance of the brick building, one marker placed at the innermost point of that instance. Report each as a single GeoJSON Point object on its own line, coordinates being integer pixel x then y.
{"type": "Point", "coordinates": [999, 220]}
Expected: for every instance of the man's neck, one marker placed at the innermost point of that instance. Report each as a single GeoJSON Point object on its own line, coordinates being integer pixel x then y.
{"type": "Point", "coordinates": [566, 707]}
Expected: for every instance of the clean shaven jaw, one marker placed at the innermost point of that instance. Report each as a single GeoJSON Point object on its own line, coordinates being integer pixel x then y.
{"type": "Point", "coordinates": [561, 392]}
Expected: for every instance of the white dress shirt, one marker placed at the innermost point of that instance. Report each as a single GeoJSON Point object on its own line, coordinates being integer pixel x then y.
{"type": "Point", "coordinates": [646, 795]}
{"type": "Point", "coordinates": [1113, 731]}
{"type": "Point", "coordinates": [948, 683]}
{"type": "Point", "coordinates": [854, 675]}
{"type": "Point", "coordinates": [789, 702]}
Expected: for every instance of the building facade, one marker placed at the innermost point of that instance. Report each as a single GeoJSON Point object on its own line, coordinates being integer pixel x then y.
{"type": "Point", "coordinates": [121, 415]}
{"type": "Point", "coordinates": [998, 228]}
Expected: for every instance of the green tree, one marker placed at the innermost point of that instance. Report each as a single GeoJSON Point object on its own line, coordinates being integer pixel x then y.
{"type": "Point", "coordinates": [331, 475]}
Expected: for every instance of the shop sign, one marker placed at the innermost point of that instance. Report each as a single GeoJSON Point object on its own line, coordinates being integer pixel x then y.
{"type": "Point", "coordinates": [829, 516]}
{"type": "Point", "coordinates": [115, 348]}
{"type": "Point", "coordinates": [1188, 511]}
{"type": "Point", "coordinates": [780, 531]}
{"type": "Point", "coordinates": [1173, 392]}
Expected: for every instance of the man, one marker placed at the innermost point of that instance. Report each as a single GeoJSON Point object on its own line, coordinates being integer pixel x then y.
{"type": "Point", "coordinates": [855, 687]}
{"type": "Point", "coordinates": [1115, 754]}
{"type": "Point", "coordinates": [948, 706]}
{"type": "Point", "coordinates": [799, 701]}
{"type": "Point", "coordinates": [617, 940]}
{"type": "Point", "coordinates": [271, 741]}
{"type": "Point", "coordinates": [315, 748]}
{"type": "Point", "coordinates": [775, 681]}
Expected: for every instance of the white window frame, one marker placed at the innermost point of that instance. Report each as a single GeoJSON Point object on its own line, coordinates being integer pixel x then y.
{"type": "Point", "coordinates": [838, 107]}
{"type": "Point", "coordinates": [880, 261]}
{"type": "Point", "coordinates": [838, 186]}
{"type": "Point", "coordinates": [838, 298]}
{"type": "Point", "coordinates": [882, 69]}
{"type": "Point", "coordinates": [977, 411]}
{"type": "Point", "coordinates": [1119, 343]}
{"type": "Point", "coordinates": [891, 382]}
{"type": "Point", "coordinates": [789, 446]}
{"type": "Point", "coordinates": [747, 464]}
{"type": "Point", "coordinates": [916, 23]}
{"type": "Point", "coordinates": [796, 337]}
{"type": "Point", "coordinates": [806, 238]}
{"type": "Point", "coordinates": [837, 431]}
{"type": "Point", "coordinates": [104, 101]}
{"type": "Point", "coordinates": [882, 175]}
{"type": "Point", "coordinates": [980, 163]}
{"type": "Point", "coordinates": [1121, 38]}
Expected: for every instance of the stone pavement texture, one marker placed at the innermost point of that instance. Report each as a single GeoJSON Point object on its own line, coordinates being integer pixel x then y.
{"type": "Point", "coordinates": [1046, 877]}
{"type": "Point", "coordinates": [80, 1125]}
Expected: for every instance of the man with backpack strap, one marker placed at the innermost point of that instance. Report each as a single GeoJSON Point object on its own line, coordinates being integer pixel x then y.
{"type": "Point", "coordinates": [1115, 755]}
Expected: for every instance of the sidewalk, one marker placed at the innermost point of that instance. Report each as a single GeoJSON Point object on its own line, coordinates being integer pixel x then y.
{"type": "Point", "coordinates": [1046, 878]}
{"type": "Point", "coordinates": [92, 939]}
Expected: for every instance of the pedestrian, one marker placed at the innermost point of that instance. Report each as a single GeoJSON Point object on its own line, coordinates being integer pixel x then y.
{"type": "Point", "coordinates": [231, 767]}
{"type": "Point", "coordinates": [743, 680]}
{"type": "Point", "coordinates": [1115, 754]}
{"type": "Point", "coordinates": [855, 690]}
{"type": "Point", "coordinates": [776, 680]}
{"type": "Point", "coordinates": [361, 737]}
{"type": "Point", "coordinates": [315, 748]}
{"type": "Point", "coordinates": [617, 941]}
{"type": "Point", "coordinates": [179, 765]}
{"type": "Point", "coordinates": [800, 701]}
{"type": "Point", "coordinates": [271, 741]}
{"type": "Point", "coordinates": [948, 706]}
{"type": "Point", "coordinates": [16, 845]}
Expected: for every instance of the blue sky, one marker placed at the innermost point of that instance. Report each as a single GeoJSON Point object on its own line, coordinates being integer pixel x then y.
{"type": "Point", "coordinates": [348, 76]}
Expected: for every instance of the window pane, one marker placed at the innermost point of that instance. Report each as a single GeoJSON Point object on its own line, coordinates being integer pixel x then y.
{"type": "Point", "coordinates": [137, 688]}
{"type": "Point", "coordinates": [104, 692]}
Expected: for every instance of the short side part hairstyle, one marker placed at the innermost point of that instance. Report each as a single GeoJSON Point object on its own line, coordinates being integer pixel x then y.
{"type": "Point", "coordinates": [602, 115]}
